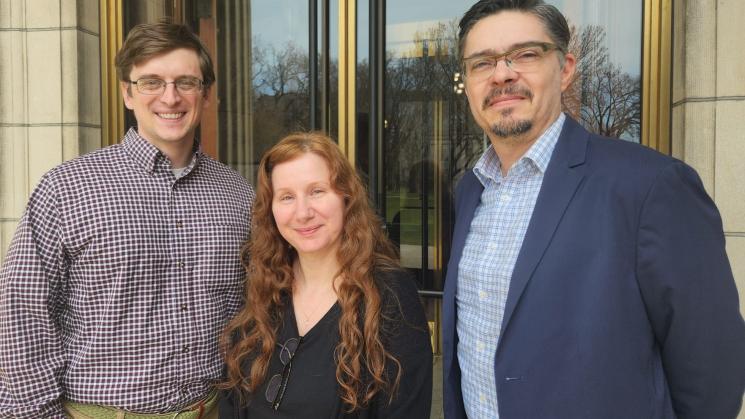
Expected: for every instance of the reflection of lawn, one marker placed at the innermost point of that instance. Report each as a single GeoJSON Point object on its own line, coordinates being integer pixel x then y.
{"type": "Point", "coordinates": [410, 218]}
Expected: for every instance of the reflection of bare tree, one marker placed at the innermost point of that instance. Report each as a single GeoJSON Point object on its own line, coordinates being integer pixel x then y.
{"type": "Point", "coordinates": [604, 98]}
{"type": "Point", "coordinates": [421, 104]}
{"type": "Point", "coordinates": [282, 71]}
{"type": "Point", "coordinates": [420, 101]}
{"type": "Point", "coordinates": [280, 92]}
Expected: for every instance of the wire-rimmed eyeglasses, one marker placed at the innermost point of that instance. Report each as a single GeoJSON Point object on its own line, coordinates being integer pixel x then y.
{"type": "Point", "coordinates": [277, 385]}
{"type": "Point", "coordinates": [524, 59]}
{"type": "Point", "coordinates": [155, 86]}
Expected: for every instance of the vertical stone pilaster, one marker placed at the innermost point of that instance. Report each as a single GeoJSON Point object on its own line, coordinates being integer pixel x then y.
{"type": "Point", "coordinates": [49, 95]}
{"type": "Point", "coordinates": [708, 109]}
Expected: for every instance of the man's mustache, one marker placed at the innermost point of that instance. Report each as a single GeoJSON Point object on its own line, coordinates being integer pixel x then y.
{"type": "Point", "coordinates": [509, 90]}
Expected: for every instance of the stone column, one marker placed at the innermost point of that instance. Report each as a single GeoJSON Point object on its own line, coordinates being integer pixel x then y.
{"type": "Point", "coordinates": [50, 95]}
{"type": "Point", "coordinates": [708, 114]}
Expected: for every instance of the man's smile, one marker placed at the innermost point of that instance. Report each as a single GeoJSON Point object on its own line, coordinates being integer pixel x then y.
{"type": "Point", "coordinates": [171, 115]}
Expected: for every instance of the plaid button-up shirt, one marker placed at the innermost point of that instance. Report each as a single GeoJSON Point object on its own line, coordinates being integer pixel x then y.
{"type": "Point", "coordinates": [118, 282]}
{"type": "Point", "coordinates": [489, 256]}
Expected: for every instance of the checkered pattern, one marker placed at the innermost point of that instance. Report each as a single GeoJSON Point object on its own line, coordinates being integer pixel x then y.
{"type": "Point", "coordinates": [118, 282]}
{"type": "Point", "coordinates": [493, 243]}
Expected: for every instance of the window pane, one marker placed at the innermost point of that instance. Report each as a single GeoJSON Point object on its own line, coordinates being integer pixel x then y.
{"type": "Point", "coordinates": [263, 89]}
{"type": "Point", "coordinates": [261, 61]}
{"type": "Point", "coordinates": [607, 39]}
{"type": "Point", "coordinates": [430, 138]}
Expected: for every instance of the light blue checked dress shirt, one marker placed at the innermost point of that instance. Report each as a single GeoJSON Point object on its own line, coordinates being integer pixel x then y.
{"type": "Point", "coordinates": [493, 243]}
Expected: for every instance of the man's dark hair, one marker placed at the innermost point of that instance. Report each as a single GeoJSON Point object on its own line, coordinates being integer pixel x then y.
{"type": "Point", "coordinates": [148, 40]}
{"type": "Point", "coordinates": [554, 22]}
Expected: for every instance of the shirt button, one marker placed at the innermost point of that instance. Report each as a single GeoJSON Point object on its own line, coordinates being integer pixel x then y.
{"type": "Point", "coordinates": [184, 307]}
{"type": "Point", "coordinates": [480, 346]}
{"type": "Point", "coordinates": [482, 397]}
{"type": "Point", "coordinates": [181, 265]}
{"type": "Point", "coordinates": [185, 349]}
{"type": "Point", "coordinates": [505, 198]}
{"type": "Point", "coordinates": [483, 295]}
{"type": "Point", "coordinates": [179, 223]}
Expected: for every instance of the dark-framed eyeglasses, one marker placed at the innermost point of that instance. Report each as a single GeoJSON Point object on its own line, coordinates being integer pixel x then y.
{"type": "Point", "coordinates": [525, 59]}
{"type": "Point", "coordinates": [277, 385]}
{"type": "Point", "coordinates": [156, 86]}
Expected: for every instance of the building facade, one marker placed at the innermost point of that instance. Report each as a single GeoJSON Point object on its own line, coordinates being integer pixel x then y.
{"type": "Point", "coordinates": [383, 79]}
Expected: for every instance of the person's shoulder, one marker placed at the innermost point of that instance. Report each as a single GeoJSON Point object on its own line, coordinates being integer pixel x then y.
{"type": "Point", "coordinates": [87, 166]}
{"type": "Point", "coordinates": [600, 152]}
{"type": "Point", "coordinates": [222, 170]}
{"type": "Point", "coordinates": [403, 317]}
{"type": "Point", "coordinates": [396, 282]}
{"type": "Point", "coordinates": [226, 177]}
{"type": "Point", "coordinates": [623, 162]}
{"type": "Point", "coordinates": [399, 295]}
{"type": "Point", "coordinates": [635, 169]}
{"type": "Point", "coordinates": [615, 152]}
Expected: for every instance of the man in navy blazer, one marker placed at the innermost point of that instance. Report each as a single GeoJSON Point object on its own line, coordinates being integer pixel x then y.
{"type": "Point", "coordinates": [588, 276]}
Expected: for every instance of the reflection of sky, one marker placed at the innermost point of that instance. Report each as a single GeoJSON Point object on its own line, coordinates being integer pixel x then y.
{"type": "Point", "coordinates": [621, 20]}
{"type": "Point", "coordinates": [280, 21]}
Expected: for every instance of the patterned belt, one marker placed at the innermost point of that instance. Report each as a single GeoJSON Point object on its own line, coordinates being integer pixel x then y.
{"type": "Point", "coordinates": [94, 411]}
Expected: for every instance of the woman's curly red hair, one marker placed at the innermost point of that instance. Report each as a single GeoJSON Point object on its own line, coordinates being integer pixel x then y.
{"type": "Point", "coordinates": [250, 337]}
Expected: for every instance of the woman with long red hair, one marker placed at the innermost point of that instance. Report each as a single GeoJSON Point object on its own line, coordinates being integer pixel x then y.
{"type": "Point", "coordinates": [332, 327]}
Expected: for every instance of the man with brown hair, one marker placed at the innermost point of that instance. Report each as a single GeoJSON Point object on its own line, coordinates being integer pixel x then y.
{"type": "Point", "coordinates": [125, 268]}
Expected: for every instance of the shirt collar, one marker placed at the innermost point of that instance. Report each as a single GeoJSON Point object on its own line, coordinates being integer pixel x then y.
{"type": "Point", "coordinates": [540, 152]}
{"type": "Point", "coordinates": [489, 166]}
{"type": "Point", "coordinates": [148, 156]}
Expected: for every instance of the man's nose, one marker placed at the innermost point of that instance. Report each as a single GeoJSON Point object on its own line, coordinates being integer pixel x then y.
{"type": "Point", "coordinates": [502, 73]}
{"type": "Point", "coordinates": [170, 95]}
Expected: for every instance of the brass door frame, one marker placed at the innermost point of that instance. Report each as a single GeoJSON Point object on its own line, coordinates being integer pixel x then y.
{"type": "Point", "coordinates": [112, 105]}
{"type": "Point", "coordinates": [347, 78]}
{"type": "Point", "coordinates": [657, 74]}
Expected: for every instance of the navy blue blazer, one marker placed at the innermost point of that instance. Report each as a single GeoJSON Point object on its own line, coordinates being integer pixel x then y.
{"type": "Point", "coordinates": [622, 302]}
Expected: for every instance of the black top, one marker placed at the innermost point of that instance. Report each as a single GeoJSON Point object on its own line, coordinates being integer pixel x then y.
{"type": "Point", "coordinates": [312, 390]}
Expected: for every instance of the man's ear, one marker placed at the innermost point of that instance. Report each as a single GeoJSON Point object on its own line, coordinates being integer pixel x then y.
{"type": "Point", "coordinates": [206, 97]}
{"type": "Point", "coordinates": [126, 88]}
{"type": "Point", "coordinates": [567, 70]}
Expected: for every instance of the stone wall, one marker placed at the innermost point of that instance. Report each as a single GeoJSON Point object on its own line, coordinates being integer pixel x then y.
{"type": "Point", "coordinates": [50, 94]}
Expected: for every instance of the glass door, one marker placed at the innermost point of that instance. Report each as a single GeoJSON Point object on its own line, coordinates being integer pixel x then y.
{"type": "Point", "coordinates": [416, 137]}
{"type": "Point", "coordinates": [279, 66]}
{"type": "Point", "coordinates": [263, 77]}
{"type": "Point", "coordinates": [415, 133]}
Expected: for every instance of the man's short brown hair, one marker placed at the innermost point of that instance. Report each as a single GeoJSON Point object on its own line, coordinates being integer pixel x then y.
{"type": "Point", "coordinates": [148, 40]}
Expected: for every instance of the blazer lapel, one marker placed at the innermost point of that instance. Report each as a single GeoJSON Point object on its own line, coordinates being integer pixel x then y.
{"type": "Point", "coordinates": [467, 198]}
{"type": "Point", "coordinates": [468, 195]}
{"type": "Point", "coordinates": [560, 182]}
{"type": "Point", "coordinates": [466, 202]}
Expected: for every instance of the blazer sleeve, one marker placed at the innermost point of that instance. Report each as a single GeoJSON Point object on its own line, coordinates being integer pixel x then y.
{"type": "Point", "coordinates": [409, 343]}
{"type": "Point", "coordinates": [690, 296]}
